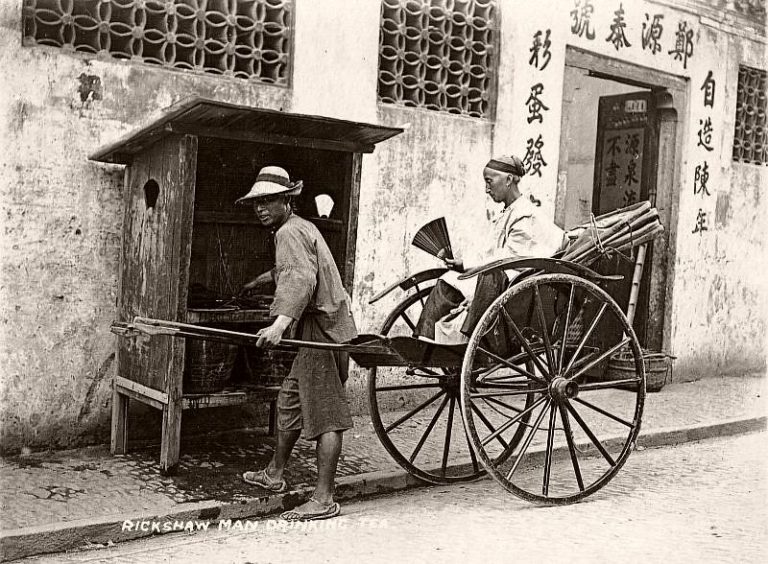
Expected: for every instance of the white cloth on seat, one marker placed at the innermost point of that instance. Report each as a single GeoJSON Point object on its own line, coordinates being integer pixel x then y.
{"type": "Point", "coordinates": [448, 328]}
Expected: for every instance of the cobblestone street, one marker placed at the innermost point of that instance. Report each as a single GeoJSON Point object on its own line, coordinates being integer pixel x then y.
{"type": "Point", "coordinates": [700, 502]}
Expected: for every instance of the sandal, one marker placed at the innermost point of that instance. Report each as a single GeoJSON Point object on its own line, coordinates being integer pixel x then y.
{"type": "Point", "coordinates": [262, 479]}
{"type": "Point", "coordinates": [326, 512]}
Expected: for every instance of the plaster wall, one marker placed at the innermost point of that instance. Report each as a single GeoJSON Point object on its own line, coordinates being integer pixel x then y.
{"type": "Point", "coordinates": [61, 214]}
{"type": "Point", "coordinates": [716, 298]}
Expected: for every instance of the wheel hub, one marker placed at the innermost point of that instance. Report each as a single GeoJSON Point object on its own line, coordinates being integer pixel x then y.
{"type": "Point", "coordinates": [561, 389]}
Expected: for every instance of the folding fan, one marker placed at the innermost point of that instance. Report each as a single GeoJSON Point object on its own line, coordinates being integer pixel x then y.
{"type": "Point", "coordinates": [433, 238]}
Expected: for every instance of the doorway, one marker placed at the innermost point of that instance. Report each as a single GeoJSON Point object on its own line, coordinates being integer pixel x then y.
{"type": "Point", "coordinates": [620, 144]}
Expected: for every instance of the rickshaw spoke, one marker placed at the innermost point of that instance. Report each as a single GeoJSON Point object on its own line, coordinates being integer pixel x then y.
{"type": "Point", "coordinates": [512, 366]}
{"type": "Point", "coordinates": [600, 358]}
{"type": "Point", "coordinates": [487, 423]}
{"type": "Point", "coordinates": [566, 325]}
{"type": "Point", "coordinates": [511, 380]}
{"type": "Point", "coordinates": [407, 387]}
{"type": "Point", "coordinates": [606, 385]}
{"type": "Point", "coordinates": [590, 434]}
{"type": "Point", "coordinates": [585, 338]}
{"type": "Point", "coordinates": [484, 374]}
{"type": "Point", "coordinates": [524, 343]}
{"type": "Point", "coordinates": [427, 373]}
{"type": "Point", "coordinates": [472, 454]}
{"type": "Point", "coordinates": [502, 404]}
{"type": "Point", "coordinates": [514, 420]}
{"type": "Point", "coordinates": [414, 411]}
{"type": "Point", "coordinates": [550, 446]}
{"type": "Point", "coordinates": [408, 321]}
{"type": "Point", "coordinates": [431, 425]}
{"type": "Point", "coordinates": [421, 296]}
{"type": "Point", "coordinates": [498, 385]}
{"type": "Point", "coordinates": [531, 433]}
{"type": "Point", "coordinates": [583, 361]}
{"type": "Point", "coordinates": [448, 430]}
{"type": "Point", "coordinates": [604, 412]}
{"type": "Point", "coordinates": [571, 446]}
{"type": "Point", "coordinates": [544, 331]}
{"type": "Point", "coordinates": [477, 395]}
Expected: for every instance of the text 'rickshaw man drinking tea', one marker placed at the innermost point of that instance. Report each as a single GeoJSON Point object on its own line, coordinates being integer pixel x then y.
{"type": "Point", "coordinates": [309, 293]}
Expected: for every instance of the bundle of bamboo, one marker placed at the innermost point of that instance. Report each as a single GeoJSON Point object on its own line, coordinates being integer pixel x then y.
{"type": "Point", "coordinates": [617, 231]}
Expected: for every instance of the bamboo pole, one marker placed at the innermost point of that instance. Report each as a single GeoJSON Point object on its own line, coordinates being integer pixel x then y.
{"type": "Point", "coordinates": [637, 277]}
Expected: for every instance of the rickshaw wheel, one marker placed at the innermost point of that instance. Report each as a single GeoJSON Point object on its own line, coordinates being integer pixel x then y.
{"type": "Point", "coordinates": [587, 409]}
{"type": "Point", "coordinates": [429, 436]}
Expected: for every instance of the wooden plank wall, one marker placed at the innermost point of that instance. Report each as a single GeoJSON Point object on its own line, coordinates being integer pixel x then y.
{"type": "Point", "coordinates": [155, 258]}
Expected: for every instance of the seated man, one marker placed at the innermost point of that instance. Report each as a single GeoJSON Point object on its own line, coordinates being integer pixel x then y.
{"type": "Point", "coordinates": [521, 232]}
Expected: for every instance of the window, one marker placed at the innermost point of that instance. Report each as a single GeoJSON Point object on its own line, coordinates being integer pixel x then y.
{"type": "Point", "coordinates": [439, 54]}
{"type": "Point", "coordinates": [750, 139]}
{"type": "Point", "coordinates": [243, 38]}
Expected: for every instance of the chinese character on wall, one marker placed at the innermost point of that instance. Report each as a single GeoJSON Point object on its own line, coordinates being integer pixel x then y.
{"type": "Point", "coordinates": [535, 105]}
{"type": "Point", "coordinates": [683, 44]}
{"type": "Point", "coordinates": [581, 19]}
{"type": "Point", "coordinates": [617, 35]}
{"type": "Point", "coordinates": [540, 48]}
{"type": "Point", "coordinates": [652, 30]}
{"type": "Point", "coordinates": [534, 160]}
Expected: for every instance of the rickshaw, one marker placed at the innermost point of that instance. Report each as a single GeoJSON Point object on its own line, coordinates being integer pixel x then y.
{"type": "Point", "coordinates": [547, 394]}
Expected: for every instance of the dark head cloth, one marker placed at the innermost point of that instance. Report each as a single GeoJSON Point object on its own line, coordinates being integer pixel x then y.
{"type": "Point", "coordinates": [509, 165]}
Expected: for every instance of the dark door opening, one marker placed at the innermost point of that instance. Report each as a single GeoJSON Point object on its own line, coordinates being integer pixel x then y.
{"type": "Point", "coordinates": [626, 154]}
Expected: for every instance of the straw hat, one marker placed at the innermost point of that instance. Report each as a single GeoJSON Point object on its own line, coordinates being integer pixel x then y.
{"type": "Point", "coordinates": [272, 180]}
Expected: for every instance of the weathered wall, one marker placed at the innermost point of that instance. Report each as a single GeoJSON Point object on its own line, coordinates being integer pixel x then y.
{"type": "Point", "coordinates": [720, 288]}
{"type": "Point", "coordinates": [716, 296]}
{"type": "Point", "coordinates": [61, 214]}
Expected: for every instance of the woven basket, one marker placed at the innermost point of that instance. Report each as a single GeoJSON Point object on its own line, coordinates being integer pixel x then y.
{"type": "Point", "coordinates": [208, 366]}
{"type": "Point", "coordinates": [268, 367]}
{"type": "Point", "coordinates": [657, 368]}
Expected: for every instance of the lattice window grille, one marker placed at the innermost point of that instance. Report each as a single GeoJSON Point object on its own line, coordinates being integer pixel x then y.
{"type": "Point", "coordinates": [438, 54]}
{"type": "Point", "coordinates": [243, 38]}
{"type": "Point", "coordinates": [750, 138]}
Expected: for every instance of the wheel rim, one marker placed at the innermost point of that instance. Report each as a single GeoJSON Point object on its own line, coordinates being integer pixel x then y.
{"type": "Point", "coordinates": [426, 436]}
{"type": "Point", "coordinates": [554, 339]}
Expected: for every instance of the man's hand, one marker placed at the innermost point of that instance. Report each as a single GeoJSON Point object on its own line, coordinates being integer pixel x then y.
{"type": "Point", "coordinates": [261, 280]}
{"type": "Point", "coordinates": [454, 264]}
{"type": "Point", "coordinates": [271, 336]}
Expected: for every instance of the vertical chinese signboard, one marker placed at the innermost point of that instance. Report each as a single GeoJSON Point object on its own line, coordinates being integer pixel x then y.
{"type": "Point", "coordinates": [625, 173]}
{"type": "Point", "coordinates": [625, 151]}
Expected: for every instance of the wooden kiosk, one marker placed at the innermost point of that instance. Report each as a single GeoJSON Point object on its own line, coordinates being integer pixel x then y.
{"type": "Point", "coordinates": [182, 232]}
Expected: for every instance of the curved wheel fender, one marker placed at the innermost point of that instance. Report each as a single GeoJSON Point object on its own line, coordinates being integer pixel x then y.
{"type": "Point", "coordinates": [410, 281]}
{"type": "Point", "coordinates": [544, 265]}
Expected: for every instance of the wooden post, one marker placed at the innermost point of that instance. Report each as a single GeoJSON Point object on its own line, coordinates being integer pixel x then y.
{"type": "Point", "coordinates": [171, 429]}
{"type": "Point", "coordinates": [171, 436]}
{"type": "Point", "coordinates": [119, 434]}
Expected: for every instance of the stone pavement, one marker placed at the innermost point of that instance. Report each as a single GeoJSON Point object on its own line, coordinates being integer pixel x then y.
{"type": "Point", "coordinates": [63, 500]}
{"type": "Point", "coordinates": [693, 503]}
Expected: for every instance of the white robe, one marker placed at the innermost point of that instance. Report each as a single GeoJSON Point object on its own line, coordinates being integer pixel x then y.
{"type": "Point", "coordinates": [520, 232]}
